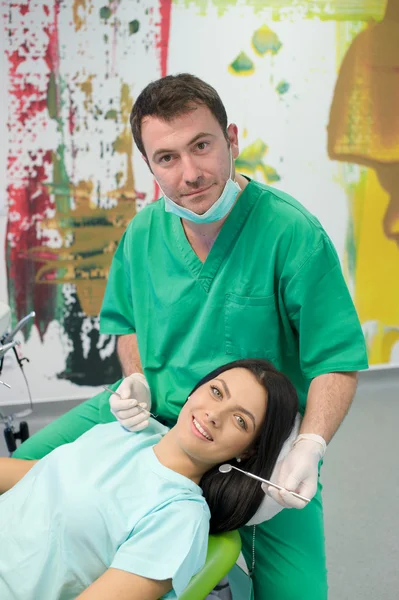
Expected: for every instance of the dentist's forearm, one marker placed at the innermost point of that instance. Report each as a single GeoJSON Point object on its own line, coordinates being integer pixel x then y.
{"type": "Point", "coordinates": [128, 354]}
{"type": "Point", "coordinates": [12, 470]}
{"type": "Point", "coordinates": [329, 399]}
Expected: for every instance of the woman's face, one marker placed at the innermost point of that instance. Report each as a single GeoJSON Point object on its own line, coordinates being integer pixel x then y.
{"type": "Point", "coordinates": [222, 418]}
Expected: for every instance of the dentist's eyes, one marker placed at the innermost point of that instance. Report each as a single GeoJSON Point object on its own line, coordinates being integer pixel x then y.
{"type": "Point", "coordinates": [167, 158]}
{"type": "Point", "coordinates": [241, 422]}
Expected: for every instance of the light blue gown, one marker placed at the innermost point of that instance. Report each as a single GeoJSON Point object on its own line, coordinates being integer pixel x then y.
{"type": "Point", "coordinates": [102, 501]}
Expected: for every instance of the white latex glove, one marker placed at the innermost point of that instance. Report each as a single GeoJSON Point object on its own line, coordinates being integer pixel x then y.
{"type": "Point", "coordinates": [135, 392]}
{"type": "Point", "coordinates": [299, 471]}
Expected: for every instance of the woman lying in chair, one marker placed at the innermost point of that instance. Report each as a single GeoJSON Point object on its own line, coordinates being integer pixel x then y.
{"type": "Point", "coordinates": [127, 516]}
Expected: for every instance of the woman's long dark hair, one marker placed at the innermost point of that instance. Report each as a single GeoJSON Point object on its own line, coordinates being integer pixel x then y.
{"type": "Point", "coordinates": [234, 498]}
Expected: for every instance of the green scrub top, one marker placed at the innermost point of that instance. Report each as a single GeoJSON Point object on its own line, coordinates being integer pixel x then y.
{"type": "Point", "coordinates": [271, 287]}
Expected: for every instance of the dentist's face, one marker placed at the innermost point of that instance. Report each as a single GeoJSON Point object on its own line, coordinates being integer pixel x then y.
{"type": "Point", "coordinates": [190, 156]}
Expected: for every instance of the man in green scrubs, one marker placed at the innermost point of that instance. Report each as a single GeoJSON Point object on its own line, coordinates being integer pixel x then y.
{"type": "Point", "coordinates": [222, 268]}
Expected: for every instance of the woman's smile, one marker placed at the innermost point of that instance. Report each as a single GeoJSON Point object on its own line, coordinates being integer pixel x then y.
{"type": "Point", "coordinates": [200, 431]}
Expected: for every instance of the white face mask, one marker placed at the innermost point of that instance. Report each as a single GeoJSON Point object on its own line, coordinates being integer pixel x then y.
{"type": "Point", "coordinates": [217, 211]}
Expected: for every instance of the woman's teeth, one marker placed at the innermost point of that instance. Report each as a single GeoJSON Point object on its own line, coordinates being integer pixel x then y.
{"type": "Point", "coordinates": [202, 430]}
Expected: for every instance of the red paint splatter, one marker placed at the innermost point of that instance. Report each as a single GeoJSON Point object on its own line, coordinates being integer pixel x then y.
{"type": "Point", "coordinates": [23, 9]}
{"type": "Point", "coordinates": [30, 198]}
{"type": "Point", "coordinates": [71, 116]}
{"type": "Point", "coordinates": [165, 7]}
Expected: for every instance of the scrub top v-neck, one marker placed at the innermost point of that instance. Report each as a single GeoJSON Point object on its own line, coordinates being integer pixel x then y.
{"type": "Point", "coordinates": [206, 271]}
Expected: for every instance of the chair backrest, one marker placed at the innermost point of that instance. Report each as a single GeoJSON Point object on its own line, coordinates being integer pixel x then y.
{"type": "Point", "coordinates": [223, 551]}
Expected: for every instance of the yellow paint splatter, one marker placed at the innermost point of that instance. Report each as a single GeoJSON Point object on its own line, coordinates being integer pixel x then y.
{"type": "Point", "coordinates": [82, 194]}
{"type": "Point", "coordinates": [364, 129]}
{"type": "Point", "coordinates": [376, 281]}
{"type": "Point", "coordinates": [324, 10]}
{"type": "Point", "coordinates": [89, 233]}
{"type": "Point", "coordinates": [86, 87]}
{"type": "Point", "coordinates": [124, 145]}
{"type": "Point", "coordinates": [265, 41]}
{"type": "Point", "coordinates": [251, 160]}
{"type": "Point", "coordinates": [79, 8]}
{"type": "Point", "coordinates": [126, 102]}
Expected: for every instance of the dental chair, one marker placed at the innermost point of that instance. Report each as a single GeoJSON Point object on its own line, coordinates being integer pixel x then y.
{"type": "Point", "coordinates": [223, 551]}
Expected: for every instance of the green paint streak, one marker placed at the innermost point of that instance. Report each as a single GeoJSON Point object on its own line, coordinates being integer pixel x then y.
{"type": "Point", "coordinates": [134, 26]}
{"type": "Point", "coordinates": [106, 38]}
{"type": "Point", "coordinates": [12, 288]}
{"type": "Point", "coordinates": [269, 173]}
{"type": "Point", "coordinates": [60, 176]}
{"type": "Point", "coordinates": [353, 191]}
{"type": "Point", "coordinates": [105, 12]}
{"type": "Point", "coordinates": [282, 87]}
{"type": "Point", "coordinates": [350, 248]}
{"type": "Point", "coordinates": [242, 65]}
{"type": "Point", "coordinates": [251, 160]}
{"type": "Point", "coordinates": [276, 10]}
{"type": "Point", "coordinates": [52, 97]}
{"type": "Point", "coordinates": [111, 115]}
{"type": "Point", "coordinates": [97, 112]}
{"type": "Point", "coordinates": [265, 41]}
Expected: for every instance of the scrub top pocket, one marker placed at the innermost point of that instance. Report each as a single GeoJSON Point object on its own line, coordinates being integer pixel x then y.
{"type": "Point", "coordinates": [252, 327]}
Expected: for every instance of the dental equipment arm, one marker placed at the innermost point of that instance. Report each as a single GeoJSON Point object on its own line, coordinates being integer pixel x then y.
{"type": "Point", "coordinates": [6, 347]}
{"type": "Point", "coordinates": [10, 337]}
{"type": "Point", "coordinates": [122, 585]}
{"type": "Point", "coordinates": [12, 470]}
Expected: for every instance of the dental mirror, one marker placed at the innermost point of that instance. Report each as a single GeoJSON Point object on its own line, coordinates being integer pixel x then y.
{"type": "Point", "coordinates": [227, 468]}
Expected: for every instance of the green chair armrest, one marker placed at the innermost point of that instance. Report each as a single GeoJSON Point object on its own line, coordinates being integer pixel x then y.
{"type": "Point", "coordinates": [223, 551]}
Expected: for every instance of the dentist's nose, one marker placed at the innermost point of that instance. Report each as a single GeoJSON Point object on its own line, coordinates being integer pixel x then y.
{"type": "Point", "coordinates": [192, 174]}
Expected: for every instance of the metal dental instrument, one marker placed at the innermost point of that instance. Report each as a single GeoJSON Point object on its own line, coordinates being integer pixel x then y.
{"type": "Point", "coordinates": [9, 338]}
{"type": "Point", "coordinates": [108, 389]}
{"type": "Point", "coordinates": [227, 468]}
{"type": "Point", "coordinates": [6, 347]}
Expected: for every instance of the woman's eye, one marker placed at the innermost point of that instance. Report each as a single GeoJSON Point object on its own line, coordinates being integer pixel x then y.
{"type": "Point", "coordinates": [241, 422]}
{"type": "Point", "coordinates": [216, 392]}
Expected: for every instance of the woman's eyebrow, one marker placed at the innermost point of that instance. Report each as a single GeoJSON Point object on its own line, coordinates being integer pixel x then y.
{"type": "Point", "coordinates": [246, 412]}
{"type": "Point", "coordinates": [226, 389]}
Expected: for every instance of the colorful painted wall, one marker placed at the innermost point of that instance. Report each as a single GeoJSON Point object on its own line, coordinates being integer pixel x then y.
{"type": "Point", "coordinates": [313, 88]}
